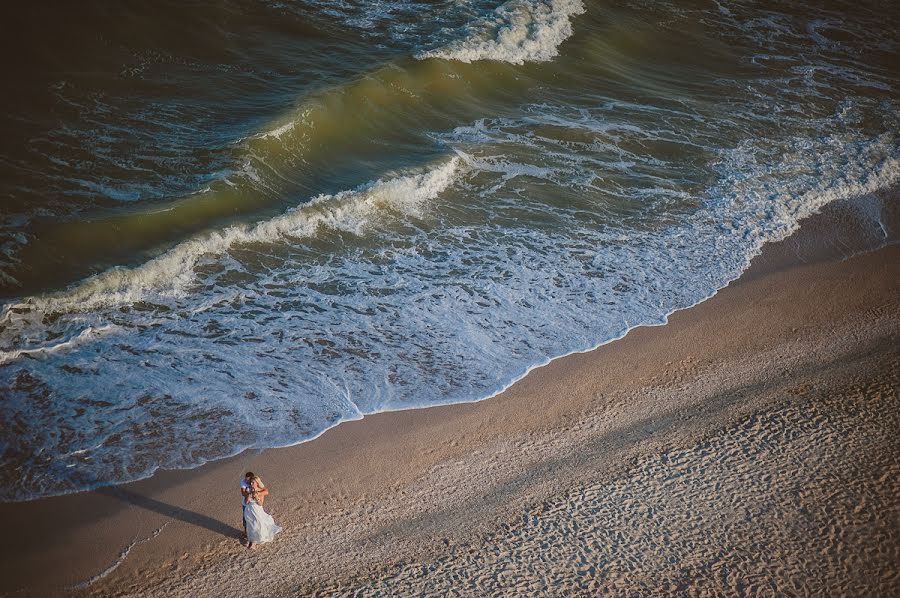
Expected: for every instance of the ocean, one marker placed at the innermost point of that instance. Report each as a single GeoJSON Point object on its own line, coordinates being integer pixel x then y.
{"type": "Point", "coordinates": [235, 224]}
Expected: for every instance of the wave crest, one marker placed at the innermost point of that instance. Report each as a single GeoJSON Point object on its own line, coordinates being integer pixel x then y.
{"type": "Point", "coordinates": [519, 31]}
{"type": "Point", "coordinates": [352, 211]}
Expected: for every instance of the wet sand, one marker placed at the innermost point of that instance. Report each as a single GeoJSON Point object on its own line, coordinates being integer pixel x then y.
{"type": "Point", "coordinates": [748, 446]}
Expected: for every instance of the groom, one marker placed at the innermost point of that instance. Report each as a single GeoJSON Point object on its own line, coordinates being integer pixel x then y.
{"type": "Point", "coordinates": [245, 492]}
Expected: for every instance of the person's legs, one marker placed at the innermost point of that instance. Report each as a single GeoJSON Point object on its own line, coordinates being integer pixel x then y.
{"type": "Point", "coordinates": [250, 522]}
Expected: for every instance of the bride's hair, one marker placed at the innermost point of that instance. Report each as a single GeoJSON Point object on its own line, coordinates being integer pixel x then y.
{"type": "Point", "coordinates": [259, 481]}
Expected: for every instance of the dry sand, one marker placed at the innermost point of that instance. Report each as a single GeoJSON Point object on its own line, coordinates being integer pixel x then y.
{"type": "Point", "coordinates": [748, 447]}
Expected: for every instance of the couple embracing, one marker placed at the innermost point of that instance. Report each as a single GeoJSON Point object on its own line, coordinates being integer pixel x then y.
{"type": "Point", "coordinates": [259, 526]}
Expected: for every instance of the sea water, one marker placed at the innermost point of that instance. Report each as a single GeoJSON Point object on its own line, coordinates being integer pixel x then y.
{"type": "Point", "coordinates": [236, 226]}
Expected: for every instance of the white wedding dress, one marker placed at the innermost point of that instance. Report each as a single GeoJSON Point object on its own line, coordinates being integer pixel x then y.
{"type": "Point", "coordinates": [260, 525]}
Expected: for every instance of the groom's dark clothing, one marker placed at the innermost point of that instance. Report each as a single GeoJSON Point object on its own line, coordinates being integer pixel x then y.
{"type": "Point", "coordinates": [245, 489]}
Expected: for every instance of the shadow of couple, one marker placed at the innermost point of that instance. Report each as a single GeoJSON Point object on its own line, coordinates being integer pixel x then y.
{"type": "Point", "coordinates": [156, 506]}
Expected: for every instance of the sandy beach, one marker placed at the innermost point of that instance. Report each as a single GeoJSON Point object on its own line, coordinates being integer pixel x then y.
{"type": "Point", "coordinates": [748, 447]}
{"type": "Point", "coordinates": [498, 297]}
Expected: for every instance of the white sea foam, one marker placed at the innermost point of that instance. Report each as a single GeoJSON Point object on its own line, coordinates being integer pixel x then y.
{"type": "Point", "coordinates": [173, 272]}
{"type": "Point", "coordinates": [519, 31]}
{"type": "Point", "coordinates": [277, 132]}
{"type": "Point", "coordinates": [87, 335]}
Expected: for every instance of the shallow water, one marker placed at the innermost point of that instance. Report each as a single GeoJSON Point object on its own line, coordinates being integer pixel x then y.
{"type": "Point", "coordinates": [237, 225]}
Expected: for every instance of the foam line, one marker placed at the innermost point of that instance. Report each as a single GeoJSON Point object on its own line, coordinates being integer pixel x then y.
{"type": "Point", "coordinates": [86, 335]}
{"type": "Point", "coordinates": [173, 272]}
{"type": "Point", "coordinates": [121, 559]}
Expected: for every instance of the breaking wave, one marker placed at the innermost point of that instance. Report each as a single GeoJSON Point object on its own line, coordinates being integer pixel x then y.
{"type": "Point", "coordinates": [173, 273]}
{"type": "Point", "coordinates": [519, 31]}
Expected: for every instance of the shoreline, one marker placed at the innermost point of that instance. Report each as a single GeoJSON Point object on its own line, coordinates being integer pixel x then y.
{"type": "Point", "coordinates": [371, 470]}
{"type": "Point", "coordinates": [773, 257]}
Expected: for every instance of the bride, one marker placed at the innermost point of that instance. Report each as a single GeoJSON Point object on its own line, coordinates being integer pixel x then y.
{"type": "Point", "coordinates": [260, 525]}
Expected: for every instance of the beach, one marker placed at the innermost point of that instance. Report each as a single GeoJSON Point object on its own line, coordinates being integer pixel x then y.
{"type": "Point", "coordinates": [748, 446]}
{"type": "Point", "coordinates": [498, 297]}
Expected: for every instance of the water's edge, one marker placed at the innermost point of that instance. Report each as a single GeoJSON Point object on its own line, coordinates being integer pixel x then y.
{"type": "Point", "coordinates": [849, 221]}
